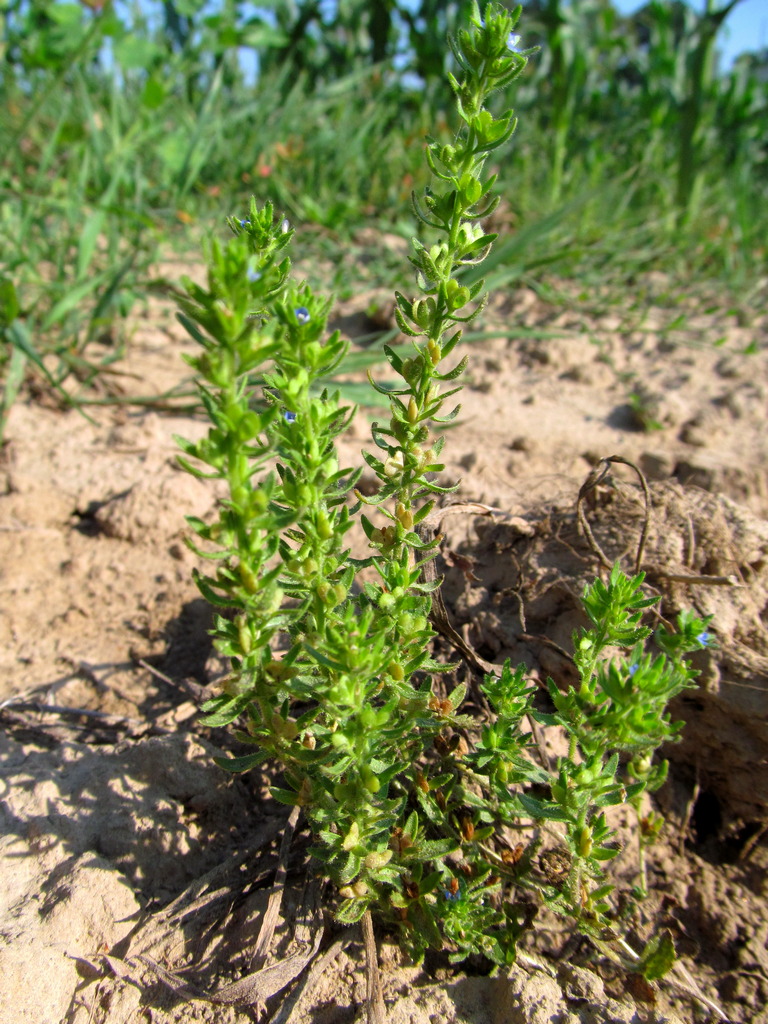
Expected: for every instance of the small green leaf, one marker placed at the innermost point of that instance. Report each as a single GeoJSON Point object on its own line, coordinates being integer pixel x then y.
{"type": "Point", "coordinates": [351, 911]}
{"type": "Point", "coordinates": [658, 957]}
{"type": "Point", "coordinates": [9, 302]}
{"type": "Point", "coordinates": [224, 709]}
{"type": "Point", "coordinates": [283, 796]}
{"type": "Point", "coordinates": [243, 764]}
{"type": "Point", "coordinates": [89, 236]}
{"type": "Point", "coordinates": [541, 811]}
{"type": "Point", "coordinates": [431, 849]}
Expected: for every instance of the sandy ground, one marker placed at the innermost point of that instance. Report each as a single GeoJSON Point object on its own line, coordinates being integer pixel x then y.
{"type": "Point", "coordinates": [112, 810]}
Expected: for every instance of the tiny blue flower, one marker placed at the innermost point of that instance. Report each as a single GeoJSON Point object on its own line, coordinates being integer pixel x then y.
{"type": "Point", "coordinates": [513, 42]}
{"type": "Point", "coordinates": [302, 315]}
{"type": "Point", "coordinates": [704, 638]}
{"type": "Point", "coordinates": [289, 417]}
{"type": "Point", "coordinates": [633, 669]}
{"type": "Point", "coordinates": [245, 223]}
{"type": "Point", "coordinates": [252, 274]}
{"type": "Point", "coordinates": [452, 896]}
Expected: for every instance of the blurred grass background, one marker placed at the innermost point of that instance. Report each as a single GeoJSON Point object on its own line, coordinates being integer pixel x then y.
{"type": "Point", "coordinates": [128, 130]}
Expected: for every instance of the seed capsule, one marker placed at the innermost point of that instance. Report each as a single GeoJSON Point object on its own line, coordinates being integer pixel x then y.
{"type": "Point", "coordinates": [585, 842]}
{"type": "Point", "coordinates": [378, 860]}
{"type": "Point", "coordinates": [324, 528]}
{"type": "Point", "coordinates": [404, 516]}
{"type": "Point", "coordinates": [244, 635]}
{"type": "Point", "coordinates": [249, 579]}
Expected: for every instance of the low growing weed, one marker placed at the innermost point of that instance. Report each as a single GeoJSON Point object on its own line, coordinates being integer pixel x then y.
{"type": "Point", "coordinates": [332, 678]}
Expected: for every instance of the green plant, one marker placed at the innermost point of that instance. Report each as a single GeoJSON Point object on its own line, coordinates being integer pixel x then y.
{"type": "Point", "coordinates": [331, 673]}
{"type": "Point", "coordinates": [123, 125]}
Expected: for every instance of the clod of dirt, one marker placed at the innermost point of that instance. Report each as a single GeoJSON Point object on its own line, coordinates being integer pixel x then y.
{"type": "Point", "coordinates": [527, 604]}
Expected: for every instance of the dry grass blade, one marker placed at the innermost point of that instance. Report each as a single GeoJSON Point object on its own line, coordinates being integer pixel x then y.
{"type": "Point", "coordinates": [255, 988]}
{"type": "Point", "coordinates": [376, 1011]}
{"type": "Point", "coordinates": [306, 984]}
{"type": "Point", "coordinates": [220, 883]}
{"type": "Point", "coordinates": [268, 925]}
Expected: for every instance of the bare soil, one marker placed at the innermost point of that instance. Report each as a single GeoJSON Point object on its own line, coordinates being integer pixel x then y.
{"type": "Point", "coordinates": [126, 853]}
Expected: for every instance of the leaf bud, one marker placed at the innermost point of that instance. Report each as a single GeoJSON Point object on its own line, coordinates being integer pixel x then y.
{"type": "Point", "coordinates": [394, 465]}
{"type": "Point", "coordinates": [420, 313]}
{"type": "Point", "coordinates": [471, 189]}
{"type": "Point", "coordinates": [412, 368]}
{"type": "Point", "coordinates": [297, 383]}
{"type": "Point", "coordinates": [324, 528]}
{"type": "Point", "coordinates": [284, 727]}
{"type": "Point", "coordinates": [368, 718]}
{"type": "Point", "coordinates": [433, 349]}
{"type": "Point", "coordinates": [398, 429]}
{"type": "Point", "coordinates": [313, 353]}
{"type": "Point", "coordinates": [248, 577]}
{"type": "Point", "coordinates": [438, 254]}
{"type": "Point", "coordinates": [234, 685]}
{"type": "Point", "coordinates": [461, 298]}
{"type": "Point", "coordinates": [388, 537]}
{"type": "Point", "coordinates": [456, 294]}
{"type": "Point", "coordinates": [427, 458]}
{"type": "Point", "coordinates": [272, 598]}
{"type": "Point", "coordinates": [468, 235]}
{"type": "Point", "coordinates": [377, 859]}
{"type": "Point", "coordinates": [424, 312]}
{"type": "Point", "coordinates": [640, 766]}
{"type": "Point", "coordinates": [404, 516]}
{"type": "Point", "coordinates": [413, 411]}
{"type": "Point", "coordinates": [249, 426]}
{"type": "Point", "coordinates": [279, 671]}
{"type": "Point", "coordinates": [360, 888]}
{"type": "Point", "coordinates": [343, 791]}
{"type": "Point", "coordinates": [239, 495]}
{"type": "Point", "coordinates": [244, 634]}
{"type": "Point", "coordinates": [559, 792]}
{"type": "Point", "coordinates": [352, 837]}
{"type": "Point", "coordinates": [405, 623]}
{"type": "Point", "coordinates": [396, 671]}
{"type": "Point", "coordinates": [585, 841]}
